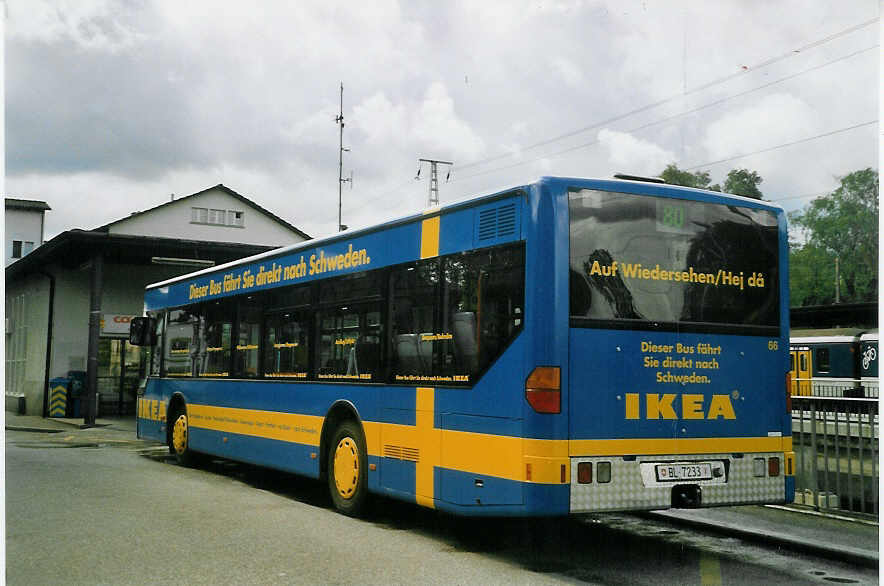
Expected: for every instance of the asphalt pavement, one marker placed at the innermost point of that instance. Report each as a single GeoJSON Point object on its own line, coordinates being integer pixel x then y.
{"type": "Point", "coordinates": [840, 536]}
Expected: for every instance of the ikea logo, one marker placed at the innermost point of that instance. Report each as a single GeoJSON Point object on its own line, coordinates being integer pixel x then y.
{"type": "Point", "coordinates": [152, 409]}
{"type": "Point", "coordinates": [673, 406]}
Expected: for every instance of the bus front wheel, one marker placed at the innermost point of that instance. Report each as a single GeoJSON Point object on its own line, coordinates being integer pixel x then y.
{"type": "Point", "coordinates": [347, 476]}
{"type": "Point", "coordinates": [179, 440]}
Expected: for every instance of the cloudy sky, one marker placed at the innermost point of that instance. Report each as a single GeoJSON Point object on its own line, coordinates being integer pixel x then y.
{"type": "Point", "coordinates": [111, 106]}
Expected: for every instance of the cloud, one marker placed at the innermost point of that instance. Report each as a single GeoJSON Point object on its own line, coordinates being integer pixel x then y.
{"type": "Point", "coordinates": [429, 128]}
{"type": "Point", "coordinates": [381, 121]}
{"type": "Point", "coordinates": [441, 129]}
{"type": "Point", "coordinates": [106, 97]}
{"type": "Point", "coordinates": [568, 71]}
{"type": "Point", "coordinates": [775, 119]}
{"type": "Point", "coordinates": [88, 24]}
{"type": "Point", "coordinates": [632, 155]}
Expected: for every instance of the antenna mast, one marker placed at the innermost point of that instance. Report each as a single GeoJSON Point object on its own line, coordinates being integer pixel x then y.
{"type": "Point", "coordinates": [340, 120]}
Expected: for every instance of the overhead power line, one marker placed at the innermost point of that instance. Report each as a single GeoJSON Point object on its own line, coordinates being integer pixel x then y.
{"type": "Point", "coordinates": [783, 145]}
{"type": "Point", "coordinates": [385, 192]}
{"type": "Point", "coordinates": [692, 168]}
{"type": "Point", "coordinates": [653, 105]}
{"type": "Point", "coordinates": [805, 196]}
{"type": "Point", "coordinates": [669, 118]}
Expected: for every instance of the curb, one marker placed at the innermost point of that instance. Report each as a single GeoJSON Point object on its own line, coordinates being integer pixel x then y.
{"type": "Point", "coordinates": [65, 425]}
{"type": "Point", "coordinates": [806, 510]}
{"type": "Point", "coordinates": [79, 424]}
{"type": "Point", "coordinates": [33, 429]}
{"type": "Point", "coordinates": [841, 553]}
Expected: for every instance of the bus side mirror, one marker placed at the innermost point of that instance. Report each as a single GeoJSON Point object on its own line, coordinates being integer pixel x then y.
{"type": "Point", "coordinates": [142, 331]}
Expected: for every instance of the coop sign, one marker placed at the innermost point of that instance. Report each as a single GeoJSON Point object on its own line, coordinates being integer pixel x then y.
{"type": "Point", "coordinates": [115, 324]}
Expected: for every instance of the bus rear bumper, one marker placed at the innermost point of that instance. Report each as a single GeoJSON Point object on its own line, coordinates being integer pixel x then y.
{"type": "Point", "coordinates": [616, 483]}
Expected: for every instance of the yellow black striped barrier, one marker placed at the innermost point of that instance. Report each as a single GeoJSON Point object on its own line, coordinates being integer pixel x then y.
{"type": "Point", "coordinates": [58, 398]}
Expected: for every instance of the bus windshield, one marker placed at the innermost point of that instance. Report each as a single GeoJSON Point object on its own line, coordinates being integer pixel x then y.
{"type": "Point", "coordinates": [645, 262]}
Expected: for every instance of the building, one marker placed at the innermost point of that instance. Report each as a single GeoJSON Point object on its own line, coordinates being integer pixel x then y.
{"type": "Point", "coordinates": [23, 227]}
{"type": "Point", "coordinates": [52, 292]}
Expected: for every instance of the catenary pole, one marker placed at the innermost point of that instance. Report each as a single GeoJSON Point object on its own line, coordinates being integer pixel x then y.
{"type": "Point", "coordinates": [433, 197]}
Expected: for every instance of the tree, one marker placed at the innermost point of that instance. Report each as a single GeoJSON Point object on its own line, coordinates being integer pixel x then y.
{"type": "Point", "coordinates": [842, 225]}
{"type": "Point", "coordinates": [743, 182]}
{"type": "Point", "coordinates": [675, 176]}
{"type": "Point", "coordinates": [811, 276]}
{"type": "Point", "coordinates": [739, 181]}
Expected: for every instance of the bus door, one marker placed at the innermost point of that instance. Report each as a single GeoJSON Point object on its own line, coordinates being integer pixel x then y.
{"type": "Point", "coordinates": [801, 371]}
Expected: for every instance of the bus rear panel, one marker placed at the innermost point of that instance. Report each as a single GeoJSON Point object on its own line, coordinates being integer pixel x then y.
{"type": "Point", "coordinates": [677, 353]}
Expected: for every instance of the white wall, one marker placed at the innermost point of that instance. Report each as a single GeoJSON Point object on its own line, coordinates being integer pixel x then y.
{"type": "Point", "coordinates": [122, 293]}
{"type": "Point", "coordinates": [27, 303]}
{"type": "Point", "coordinates": [24, 225]}
{"type": "Point", "coordinates": [27, 306]}
{"type": "Point", "coordinates": [174, 221]}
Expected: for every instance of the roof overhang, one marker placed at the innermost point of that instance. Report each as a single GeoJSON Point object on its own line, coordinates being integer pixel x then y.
{"type": "Point", "coordinates": [74, 248]}
{"type": "Point", "coordinates": [26, 204]}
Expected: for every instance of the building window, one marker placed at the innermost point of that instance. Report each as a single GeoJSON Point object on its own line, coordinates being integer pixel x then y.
{"type": "Point", "coordinates": [216, 217]}
{"type": "Point", "coordinates": [235, 218]}
{"type": "Point", "coordinates": [16, 249]}
{"type": "Point", "coordinates": [29, 246]}
{"type": "Point", "coordinates": [199, 215]}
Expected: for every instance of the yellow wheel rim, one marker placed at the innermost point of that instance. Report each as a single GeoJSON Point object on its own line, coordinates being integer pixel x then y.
{"type": "Point", "coordinates": [179, 434]}
{"type": "Point", "coordinates": [346, 468]}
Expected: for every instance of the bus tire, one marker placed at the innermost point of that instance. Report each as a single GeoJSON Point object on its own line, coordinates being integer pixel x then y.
{"type": "Point", "coordinates": [347, 469]}
{"type": "Point", "coordinates": [179, 444]}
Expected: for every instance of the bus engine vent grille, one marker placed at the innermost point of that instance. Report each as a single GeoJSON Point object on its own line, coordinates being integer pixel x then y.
{"type": "Point", "coordinates": [497, 224]}
{"type": "Point", "coordinates": [401, 453]}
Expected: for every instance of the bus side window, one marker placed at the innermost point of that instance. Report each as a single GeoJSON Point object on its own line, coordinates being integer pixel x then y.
{"type": "Point", "coordinates": [287, 344]}
{"type": "Point", "coordinates": [483, 308]}
{"type": "Point", "coordinates": [350, 342]}
{"type": "Point", "coordinates": [179, 346]}
{"type": "Point", "coordinates": [351, 327]}
{"type": "Point", "coordinates": [155, 351]}
{"type": "Point", "coordinates": [415, 292]}
{"type": "Point", "coordinates": [248, 339]}
{"type": "Point", "coordinates": [216, 332]}
{"type": "Point", "coordinates": [460, 311]}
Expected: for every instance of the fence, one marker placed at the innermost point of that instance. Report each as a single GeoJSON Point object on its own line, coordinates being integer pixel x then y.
{"type": "Point", "coordinates": [835, 387]}
{"type": "Point", "coordinates": [836, 452]}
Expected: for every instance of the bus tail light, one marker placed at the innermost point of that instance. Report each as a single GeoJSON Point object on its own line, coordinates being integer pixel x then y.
{"type": "Point", "coordinates": [543, 389]}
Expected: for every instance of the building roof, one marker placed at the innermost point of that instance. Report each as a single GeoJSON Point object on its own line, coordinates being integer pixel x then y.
{"type": "Point", "coordinates": [26, 204]}
{"type": "Point", "coordinates": [223, 188]}
{"type": "Point", "coordinates": [75, 248]}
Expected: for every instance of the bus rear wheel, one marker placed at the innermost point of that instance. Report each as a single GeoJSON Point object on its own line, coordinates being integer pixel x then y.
{"type": "Point", "coordinates": [179, 444]}
{"type": "Point", "coordinates": [347, 476]}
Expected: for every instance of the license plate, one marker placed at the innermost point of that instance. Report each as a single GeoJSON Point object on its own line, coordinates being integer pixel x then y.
{"type": "Point", "coordinates": [674, 472]}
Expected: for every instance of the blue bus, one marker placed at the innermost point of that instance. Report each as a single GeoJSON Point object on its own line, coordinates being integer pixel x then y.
{"type": "Point", "coordinates": [567, 346]}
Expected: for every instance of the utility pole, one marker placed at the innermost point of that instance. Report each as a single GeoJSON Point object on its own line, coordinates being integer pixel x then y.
{"type": "Point", "coordinates": [340, 120]}
{"type": "Point", "coordinates": [837, 280]}
{"type": "Point", "coordinates": [433, 199]}
{"type": "Point", "coordinates": [90, 398]}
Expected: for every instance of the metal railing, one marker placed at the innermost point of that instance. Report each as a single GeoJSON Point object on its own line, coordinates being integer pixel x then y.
{"type": "Point", "coordinates": [835, 440]}
{"type": "Point", "coordinates": [822, 387]}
